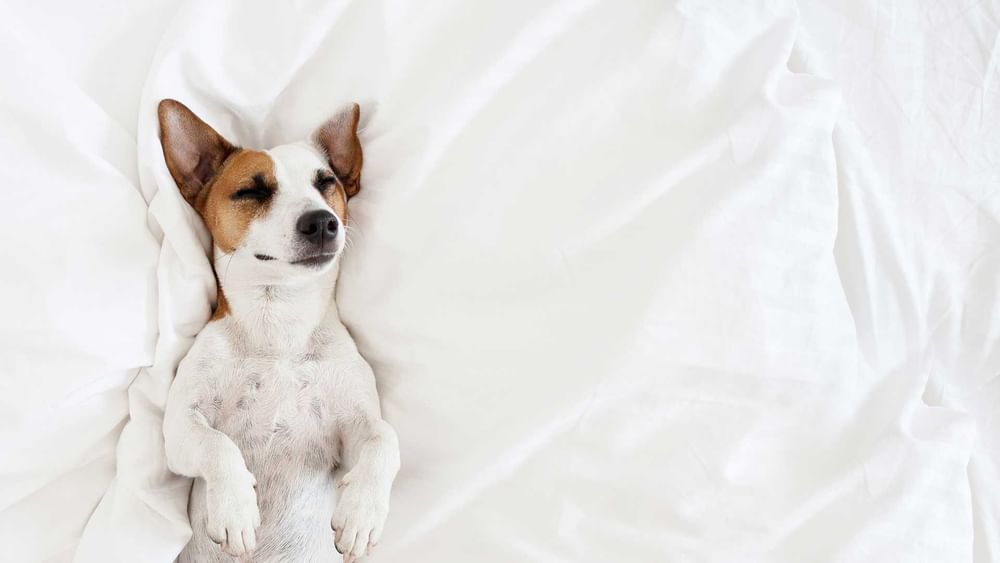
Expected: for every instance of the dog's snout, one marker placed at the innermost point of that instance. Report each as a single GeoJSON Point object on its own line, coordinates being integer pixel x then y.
{"type": "Point", "coordinates": [317, 226]}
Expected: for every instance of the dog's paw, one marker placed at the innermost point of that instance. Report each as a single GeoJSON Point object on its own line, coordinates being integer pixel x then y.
{"type": "Point", "coordinates": [233, 516]}
{"type": "Point", "coordinates": [360, 515]}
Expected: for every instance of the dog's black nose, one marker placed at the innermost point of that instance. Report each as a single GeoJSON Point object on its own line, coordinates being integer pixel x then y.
{"type": "Point", "coordinates": [318, 226]}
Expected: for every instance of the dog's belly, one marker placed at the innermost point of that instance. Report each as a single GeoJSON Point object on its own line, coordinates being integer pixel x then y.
{"type": "Point", "coordinates": [276, 415]}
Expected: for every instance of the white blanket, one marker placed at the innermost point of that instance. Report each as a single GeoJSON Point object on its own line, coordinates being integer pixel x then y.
{"type": "Point", "coordinates": [639, 281]}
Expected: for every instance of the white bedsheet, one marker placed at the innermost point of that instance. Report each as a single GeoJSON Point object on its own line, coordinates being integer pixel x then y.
{"type": "Point", "coordinates": [679, 281]}
{"type": "Point", "coordinates": [77, 265]}
{"type": "Point", "coordinates": [918, 151]}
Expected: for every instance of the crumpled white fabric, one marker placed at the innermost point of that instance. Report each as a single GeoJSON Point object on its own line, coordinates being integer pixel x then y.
{"type": "Point", "coordinates": [77, 302]}
{"type": "Point", "coordinates": [917, 149]}
{"type": "Point", "coordinates": [645, 281]}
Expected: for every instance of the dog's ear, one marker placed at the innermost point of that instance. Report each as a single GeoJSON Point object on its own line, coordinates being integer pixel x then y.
{"type": "Point", "coordinates": [339, 138]}
{"type": "Point", "coordinates": [193, 150]}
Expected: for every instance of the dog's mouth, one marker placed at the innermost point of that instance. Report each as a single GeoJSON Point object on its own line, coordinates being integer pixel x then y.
{"type": "Point", "coordinates": [315, 260]}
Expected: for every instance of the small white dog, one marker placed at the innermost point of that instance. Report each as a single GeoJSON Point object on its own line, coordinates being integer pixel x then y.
{"type": "Point", "coordinates": [273, 411]}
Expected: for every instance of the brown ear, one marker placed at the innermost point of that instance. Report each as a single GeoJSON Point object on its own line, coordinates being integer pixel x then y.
{"type": "Point", "coordinates": [339, 138]}
{"type": "Point", "coordinates": [193, 150]}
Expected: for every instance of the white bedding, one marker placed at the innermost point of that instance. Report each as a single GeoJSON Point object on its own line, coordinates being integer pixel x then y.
{"type": "Point", "coordinates": [674, 281]}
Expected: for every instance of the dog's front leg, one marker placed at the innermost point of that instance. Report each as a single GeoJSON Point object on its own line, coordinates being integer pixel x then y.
{"type": "Point", "coordinates": [370, 459]}
{"type": "Point", "coordinates": [195, 449]}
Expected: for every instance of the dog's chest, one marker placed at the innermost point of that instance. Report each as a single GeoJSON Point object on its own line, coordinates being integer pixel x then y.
{"type": "Point", "coordinates": [277, 410]}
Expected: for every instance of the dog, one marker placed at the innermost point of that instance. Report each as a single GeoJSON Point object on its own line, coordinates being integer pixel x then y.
{"type": "Point", "coordinates": [273, 411]}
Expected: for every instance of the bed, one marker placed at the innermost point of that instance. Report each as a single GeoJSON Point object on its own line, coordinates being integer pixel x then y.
{"type": "Point", "coordinates": [664, 281]}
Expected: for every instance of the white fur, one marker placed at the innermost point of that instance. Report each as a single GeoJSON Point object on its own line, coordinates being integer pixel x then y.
{"type": "Point", "coordinates": [273, 397]}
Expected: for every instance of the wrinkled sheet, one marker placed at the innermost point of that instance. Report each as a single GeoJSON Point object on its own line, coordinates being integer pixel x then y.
{"type": "Point", "coordinates": [677, 281]}
{"type": "Point", "coordinates": [77, 262]}
{"type": "Point", "coordinates": [917, 150]}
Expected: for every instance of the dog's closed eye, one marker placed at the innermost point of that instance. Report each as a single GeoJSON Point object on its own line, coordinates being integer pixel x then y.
{"type": "Point", "coordinates": [323, 180]}
{"type": "Point", "coordinates": [260, 190]}
{"type": "Point", "coordinates": [252, 193]}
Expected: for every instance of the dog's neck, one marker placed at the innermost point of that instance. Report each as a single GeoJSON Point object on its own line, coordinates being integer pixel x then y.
{"type": "Point", "coordinates": [281, 318]}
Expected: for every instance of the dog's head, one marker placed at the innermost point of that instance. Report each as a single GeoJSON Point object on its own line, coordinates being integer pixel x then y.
{"type": "Point", "coordinates": [275, 214]}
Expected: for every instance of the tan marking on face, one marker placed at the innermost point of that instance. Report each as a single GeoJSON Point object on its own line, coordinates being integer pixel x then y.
{"type": "Point", "coordinates": [337, 200]}
{"type": "Point", "coordinates": [229, 220]}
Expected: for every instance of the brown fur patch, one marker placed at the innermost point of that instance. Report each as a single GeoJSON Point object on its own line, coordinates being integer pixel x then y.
{"type": "Point", "coordinates": [337, 200]}
{"type": "Point", "coordinates": [221, 306]}
{"type": "Point", "coordinates": [229, 220]}
{"type": "Point", "coordinates": [226, 219]}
